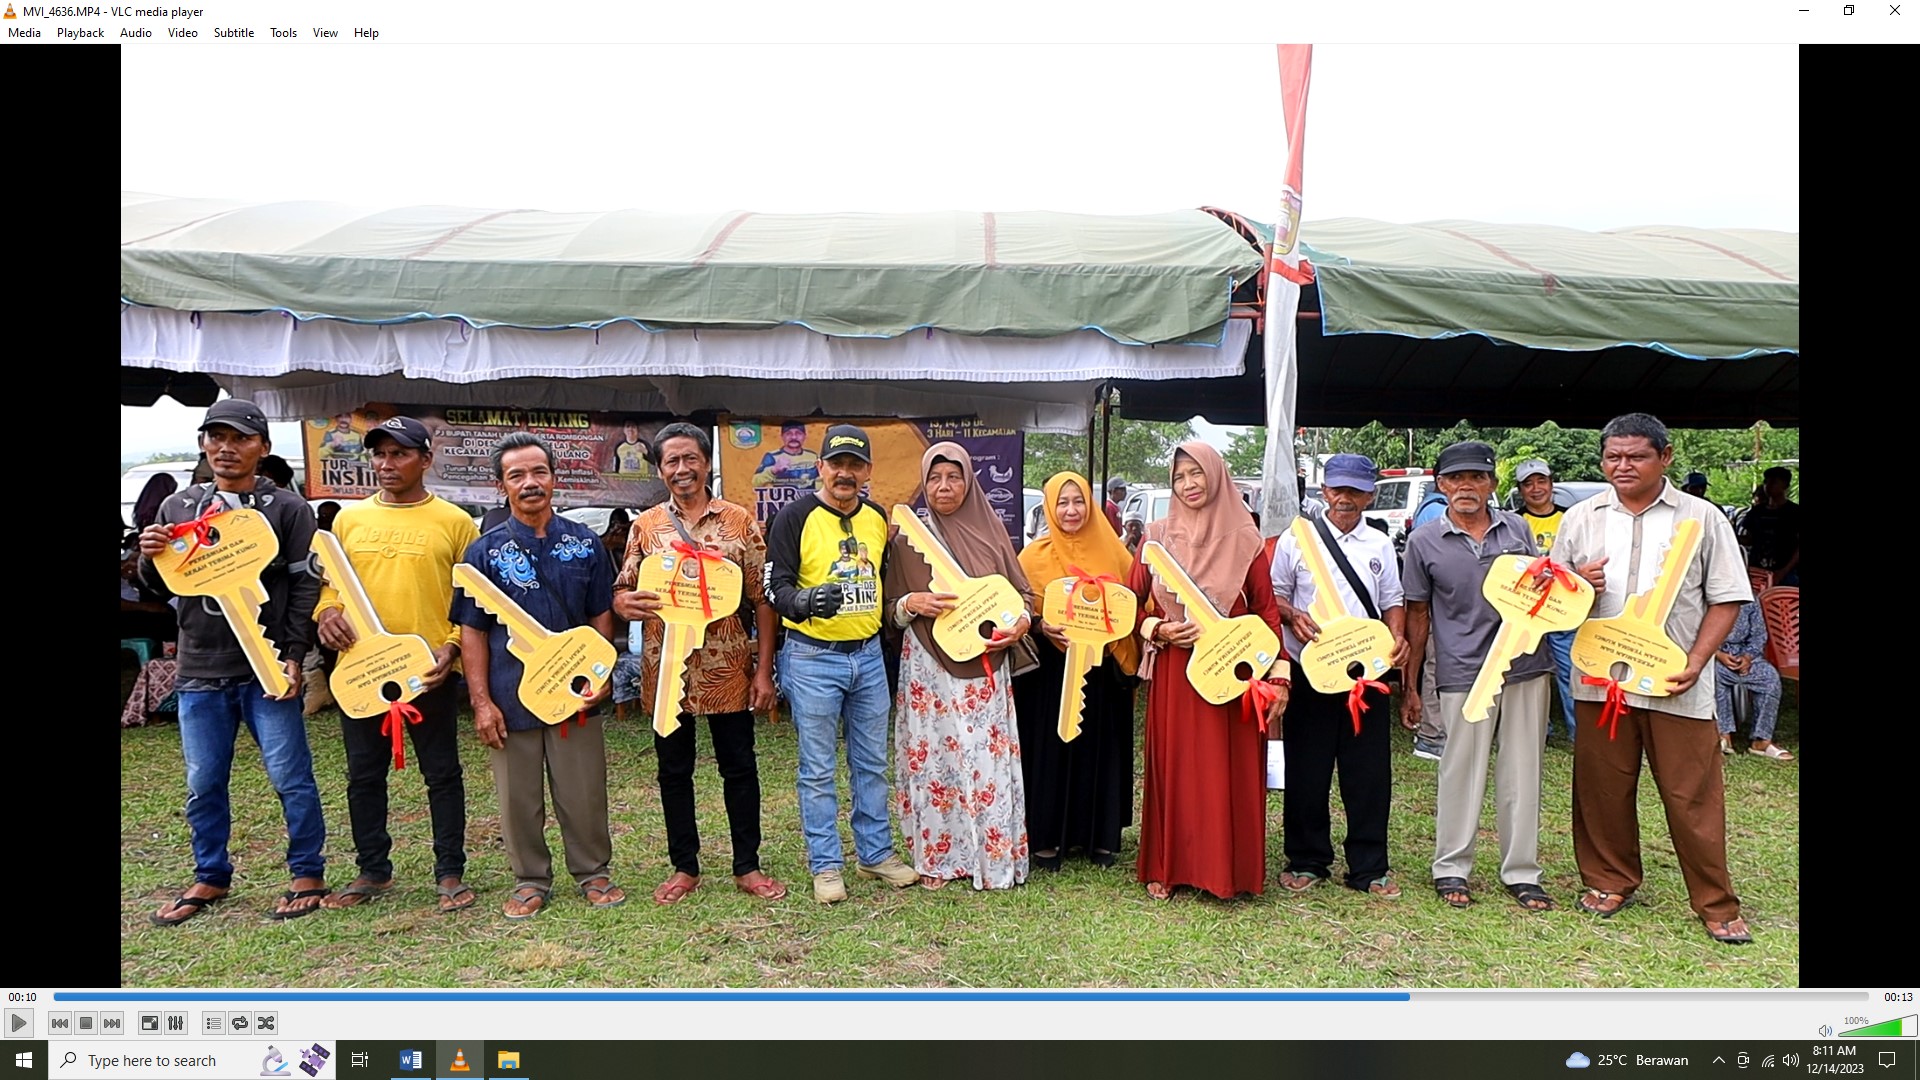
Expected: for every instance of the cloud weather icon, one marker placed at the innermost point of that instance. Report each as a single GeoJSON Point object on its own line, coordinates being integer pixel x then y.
{"type": "Point", "coordinates": [1578, 1060]}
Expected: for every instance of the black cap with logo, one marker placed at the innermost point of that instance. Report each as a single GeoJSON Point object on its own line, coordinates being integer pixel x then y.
{"type": "Point", "coordinates": [239, 414]}
{"type": "Point", "coordinates": [404, 430]}
{"type": "Point", "coordinates": [847, 439]}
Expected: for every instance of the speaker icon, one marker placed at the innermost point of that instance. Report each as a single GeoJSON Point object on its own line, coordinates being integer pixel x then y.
{"type": "Point", "coordinates": [1826, 1030]}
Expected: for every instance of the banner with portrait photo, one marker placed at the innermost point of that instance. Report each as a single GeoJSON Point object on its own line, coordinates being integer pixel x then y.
{"type": "Point", "coordinates": [600, 459]}
{"type": "Point", "coordinates": [769, 462]}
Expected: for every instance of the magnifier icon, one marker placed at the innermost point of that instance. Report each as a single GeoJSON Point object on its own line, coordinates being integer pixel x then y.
{"type": "Point", "coordinates": [70, 1059]}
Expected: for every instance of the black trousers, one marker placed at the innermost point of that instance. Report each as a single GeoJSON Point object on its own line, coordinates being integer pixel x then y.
{"type": "Point", "coordinates": [436, 755]}
{"type": "Point", "coordinates": [1319, 738]}
{"type": "Point", "coordinates": [739, 783]}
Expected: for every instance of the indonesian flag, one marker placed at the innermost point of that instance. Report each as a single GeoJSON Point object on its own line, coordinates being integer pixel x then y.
{"type": "Point", "coordinates": [1287, 272]}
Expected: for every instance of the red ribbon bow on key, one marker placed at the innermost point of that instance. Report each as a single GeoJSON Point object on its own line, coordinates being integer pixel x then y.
{"type": "Point", "coordinates": [1083, 580]}
{"type": "Point", "coordinates": [200, 528]}
{"type": "Point", "coordinates": [1615, 708]}
{"type": "Point", "coordinates": [1258, 701]}
{"type": "Point", "coordinates": [699, 557]}
{"type": "Point", "coordinates": [1554, 572]}
{"type": "Point", "coordinates": [399, 714]}
{"type": "Point", "coordinates": [1357, 699]}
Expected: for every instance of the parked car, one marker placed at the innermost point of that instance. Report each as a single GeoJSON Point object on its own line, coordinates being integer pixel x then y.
{"type": "Point", "coordinates": [136, 479]}
{"type": "Point", "coordinates": [1396, 495]}
{"type": "Point", "coordinates": [1150, 503]}
{"type": "Point", "coordinates": [1565, 493]}
{"type": "Point", "coordinates": [1036, 517]}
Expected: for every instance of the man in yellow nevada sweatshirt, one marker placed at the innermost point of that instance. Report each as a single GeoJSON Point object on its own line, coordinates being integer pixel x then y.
{"type": "Point", "coordinates": [403, 541]}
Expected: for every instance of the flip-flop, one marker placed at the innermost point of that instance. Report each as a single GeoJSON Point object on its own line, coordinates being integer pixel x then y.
{"type": "Point", "coordinates": [298, 913]}
{"type": "Point", "coordinates": [766, 888]}
{"type": "Point", "coordinates": [454, 893]}
{"type": "Point", "coordinates": [1587, 905]}
{"type": "Point", "coordinates": [1299, 880]}
{"type": "Point", "coordinates": [527, 894]}
{"type": "Point", "coordinates": [592, 889]}
{"type": "Point", "coordinates": [1731, 932]}
{"type": "Point", "coordinates": [194, 905]}
{"type": "Point", "coordinates": [674, 889]}
{"type": "Point", "coordinates": [362, 892]}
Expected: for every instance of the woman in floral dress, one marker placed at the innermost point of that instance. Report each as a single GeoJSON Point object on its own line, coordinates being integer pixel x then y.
{"type": "Point", "coordinates": [956, 745]}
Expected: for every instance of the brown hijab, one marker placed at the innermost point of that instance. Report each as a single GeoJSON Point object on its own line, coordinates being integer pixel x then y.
{"type": "Point", "coordinates": [974, 537]}
{"type": "Point", "coordinates": [1214, 543]}
{"type": "Point", "coordinates": [1095, 549]}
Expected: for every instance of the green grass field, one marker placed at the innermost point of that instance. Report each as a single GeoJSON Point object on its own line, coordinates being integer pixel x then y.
{"type": "Point", "coordinates": [1079, 927]}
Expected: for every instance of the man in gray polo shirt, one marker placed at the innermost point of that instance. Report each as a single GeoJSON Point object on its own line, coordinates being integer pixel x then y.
{"type": "Point", "coordinates": [1446, 565]}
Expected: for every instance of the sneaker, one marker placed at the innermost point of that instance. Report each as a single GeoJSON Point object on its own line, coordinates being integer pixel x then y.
{"type": "Point", "coordinates": [828, 888]}
{"type": "Point", "coordinates": [1429, 750]}
{"type": "Point", "coordinates": [892, 871]}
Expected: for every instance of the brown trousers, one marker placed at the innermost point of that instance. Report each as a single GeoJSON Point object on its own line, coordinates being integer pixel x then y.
{"type": "Point", "coordinates": [576, 768]}
{"type": "Point", "coordinates": [1684, 756]}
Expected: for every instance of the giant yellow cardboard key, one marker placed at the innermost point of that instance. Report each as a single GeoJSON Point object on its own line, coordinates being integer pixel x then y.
{"type": "Point", "coordinates": [1090, 616]}
{"type": "Point", "coordinates": [1224, 644]}
{"type": "Point", "coordinates": [1345, 639]}
{"type": "Point", "coordinates": [982, 600]}
{"type": "Point", "coordinates": [1514, 592]}
{"type": "Point", "coordinates": [380, 668]}
{"type": "Point", "coordinates": [676, 578]}
{"type": "Point", "coordinates": [561, 669]}
{"type": "Point", "coordinates": [1637, 637]}
{"type": "Point", "coordinates": [227, 568]}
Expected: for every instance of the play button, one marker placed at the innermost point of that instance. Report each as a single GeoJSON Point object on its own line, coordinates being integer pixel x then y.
{"type": "Point", "coordinates": [19, 1023]}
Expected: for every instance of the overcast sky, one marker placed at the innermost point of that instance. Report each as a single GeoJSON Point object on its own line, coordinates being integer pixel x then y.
{"type": "Point", "coordinates": [1590, 137]}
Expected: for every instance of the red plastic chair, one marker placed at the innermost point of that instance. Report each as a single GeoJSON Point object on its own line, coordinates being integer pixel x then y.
{"type": "Point", "coordinates": [1762, 580]}
{"type": "Point", "coordinates": [1780, 610]}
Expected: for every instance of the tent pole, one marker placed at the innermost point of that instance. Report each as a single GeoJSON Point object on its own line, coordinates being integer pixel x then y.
{"type": "Point", "coordinates": [1106, 448]}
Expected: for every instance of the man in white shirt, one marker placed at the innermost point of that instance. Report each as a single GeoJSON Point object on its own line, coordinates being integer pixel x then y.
{"type": "Point", "coordinates": [1321, 729]}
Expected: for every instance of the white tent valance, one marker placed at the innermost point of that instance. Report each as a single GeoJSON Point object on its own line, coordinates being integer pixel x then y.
{"type": "Point", "coordinates": [296, 369]}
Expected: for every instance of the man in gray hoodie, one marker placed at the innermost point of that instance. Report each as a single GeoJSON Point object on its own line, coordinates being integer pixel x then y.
{"type": "Point", "coordinates": [218, 689]}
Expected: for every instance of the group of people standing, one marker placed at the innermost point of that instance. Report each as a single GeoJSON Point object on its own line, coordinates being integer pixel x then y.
{"type": "Point", "coordinates": [984, 786]}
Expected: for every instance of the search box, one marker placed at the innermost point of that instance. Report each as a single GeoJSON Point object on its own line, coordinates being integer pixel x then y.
{"type": "Point", "coordinates": [230, 1059]}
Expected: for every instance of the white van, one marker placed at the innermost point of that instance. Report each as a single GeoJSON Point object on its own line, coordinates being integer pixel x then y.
{"type": "Point", "coordinates": [1396, 495]}
{"type": "Point", "coordinates": [136, 479]}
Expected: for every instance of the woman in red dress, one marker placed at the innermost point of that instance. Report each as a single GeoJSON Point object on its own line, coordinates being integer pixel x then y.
{"type": "Point", "coordinates": [1203, 820]}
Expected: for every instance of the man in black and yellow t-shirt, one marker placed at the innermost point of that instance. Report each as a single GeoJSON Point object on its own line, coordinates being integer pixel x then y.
{"type": "Point", "coordinates": [832, 670]}
{"type": "Point", "coordinates": [1542, 513]}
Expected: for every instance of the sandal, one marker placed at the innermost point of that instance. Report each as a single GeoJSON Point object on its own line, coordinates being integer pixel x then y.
{"type": "Point", "coordinates": [360, 892]}
{"type": "Point", "coordinates": [451, 895]}
{"type": "Point", "coordinates": [675, 888]}
{"type": "Point", "coordinates": [766, 888]}
{"type": "Point", "coordinates": [1604, 904]}
{"type": "Point", "coordinates": [1158, 890]}
{"type": "Point", "coordinates": [1384, 887]}
{"type": "Point", "coordinates": [1772, 751]}
{"type": "Point", "coordinates": [600, 889]}
{"type": "Point", "coordinates": [1100, 858]}
{"type": "Point", "coordinates": [1726, 746]}
{"type": "Point", "coordinates": [1299, 881]}
{"type": "Point", "coordinates": [1454, 891]}
{"type": "Point", "coordinates": [1529, 895]}
{"type": "Point", "coordinates": [294, 896]}
{"type": "Point", "coordinates": [1044, 861]}
{"type": "Point", "coordinates": [1733, 932]}
{"type": "Point", "coordinates": [193, 905]}
{"type": "Point", "coordinates": [532, 897]}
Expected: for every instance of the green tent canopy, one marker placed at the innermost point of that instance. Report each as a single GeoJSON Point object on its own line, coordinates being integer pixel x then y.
{"type": "Point", "coordinates": [1140, 280]}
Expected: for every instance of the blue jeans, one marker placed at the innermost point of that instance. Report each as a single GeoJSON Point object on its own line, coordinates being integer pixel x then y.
{"type": "Point", "coordinates": [831, 692]}
{"type": "Point", "coordinates": [1561, 642]}
{"type": "Point", "coordinates": [209, 727]}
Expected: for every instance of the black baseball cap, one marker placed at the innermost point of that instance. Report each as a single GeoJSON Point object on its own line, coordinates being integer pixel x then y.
{"type": "Point", "coordinates": [239, 414]}
{"type": "Point", "coordinates": [847, 439]}
{"type": "Point", "coordinates": [404, 430]}
{"type": "Point", "coordinates": [1466, 457]}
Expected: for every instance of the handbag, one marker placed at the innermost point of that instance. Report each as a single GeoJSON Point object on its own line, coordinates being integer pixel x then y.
{"type": "Point", "coordinates": [1353, 579]}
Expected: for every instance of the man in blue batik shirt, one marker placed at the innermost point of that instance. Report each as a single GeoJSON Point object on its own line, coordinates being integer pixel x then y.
{"type": "Point", "coordinates": [558, 571]}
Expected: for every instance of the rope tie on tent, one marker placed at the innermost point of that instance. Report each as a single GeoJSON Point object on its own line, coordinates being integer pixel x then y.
{"type": "Point", "coordinates": [194, 318]}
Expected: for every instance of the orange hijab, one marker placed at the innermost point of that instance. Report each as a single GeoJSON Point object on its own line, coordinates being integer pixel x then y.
{"type": "Point", "coordinates": [1214, 543]}
{"type": "Point", "coordinates": [1094, 549]}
